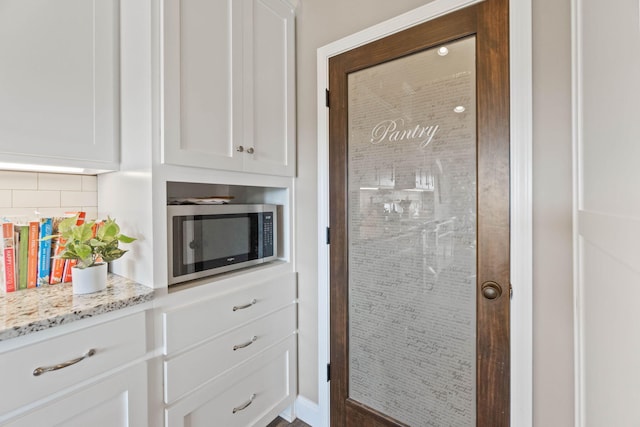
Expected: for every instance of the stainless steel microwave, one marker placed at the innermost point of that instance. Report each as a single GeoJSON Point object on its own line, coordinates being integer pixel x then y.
{"type": "Point", "coordinates": [205, 240]}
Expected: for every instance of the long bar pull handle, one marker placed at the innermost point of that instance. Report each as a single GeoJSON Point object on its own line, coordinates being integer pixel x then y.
{"type": "Point", "coordinates": [247, 344]}
{"type": "Point", "coordinates": [242, 307]}
{"type": "Point", "coordinates": [44, 369]}
{"type": "Point", "coordinates": [244, 405]}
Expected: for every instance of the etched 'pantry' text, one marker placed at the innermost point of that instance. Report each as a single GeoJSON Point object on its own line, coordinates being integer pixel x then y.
{"type": "Point", "coordinates": [396, 131]}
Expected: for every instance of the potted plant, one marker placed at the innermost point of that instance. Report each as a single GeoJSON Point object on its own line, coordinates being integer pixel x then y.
{"type": "Point", "coordinates": [92, 245]}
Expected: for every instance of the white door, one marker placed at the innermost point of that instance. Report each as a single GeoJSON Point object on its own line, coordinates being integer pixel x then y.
{"type": "Point", "coordinates": [608, 212]}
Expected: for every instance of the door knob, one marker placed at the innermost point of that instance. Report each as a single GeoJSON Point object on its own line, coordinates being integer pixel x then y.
{"type": "Point", "coordinates": [240, 149]}
{"type": "Point", "coordinates": [491, 290]}
{"type": "Point", "coordinates": [250, 150]}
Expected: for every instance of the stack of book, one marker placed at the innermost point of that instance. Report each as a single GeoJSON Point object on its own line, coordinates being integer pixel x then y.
{"type": "Point", "coordinates": [27, 259]}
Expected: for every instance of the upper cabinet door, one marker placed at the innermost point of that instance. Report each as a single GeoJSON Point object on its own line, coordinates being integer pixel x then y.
{"type": "Point", "coordinates": [269, 59]}
{"type": "Point", "coordinates": [202, 51]}
{"type": "Point", "coordinates": [59, 82]}
{"type": "Point", "coordinates": [229, 100]}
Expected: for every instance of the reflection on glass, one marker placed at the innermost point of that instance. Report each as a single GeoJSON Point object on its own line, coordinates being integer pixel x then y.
{"type": "Point", "coordinates": [412, 237]}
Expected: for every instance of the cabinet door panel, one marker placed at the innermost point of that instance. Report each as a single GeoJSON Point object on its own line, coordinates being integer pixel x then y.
{"type": "Point", "coordinates": [229, 85]}
{"type": "Point", "coordinates": [270, 106]}
{"type": "Point", "coordinates": [118, 401]}
{"type": "Point", "coordinates": [59, 89]}
{"type": "Point", "coordinates": [201, 117]}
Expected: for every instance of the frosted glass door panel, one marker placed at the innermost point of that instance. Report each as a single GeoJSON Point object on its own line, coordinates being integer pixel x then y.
{"type": "Point", "coordinates": [412, 236]}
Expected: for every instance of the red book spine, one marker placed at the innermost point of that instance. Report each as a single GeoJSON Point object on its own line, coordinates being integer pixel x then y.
{"type": "Point", "coordinates": [66, 274]}
{"type": "Point", "coordinates": [9, 255]}
{"type": "Point", "coordinates": [32, 254]}
{"type": "Point", "coordinates": [57, 264]}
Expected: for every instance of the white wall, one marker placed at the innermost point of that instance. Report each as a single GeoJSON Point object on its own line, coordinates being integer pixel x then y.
{"type": "Point", "coordinates": [553, 397]}
{"type": "Point", "coordinates": [607, 132]}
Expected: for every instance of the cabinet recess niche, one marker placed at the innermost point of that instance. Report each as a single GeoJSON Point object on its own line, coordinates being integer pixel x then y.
{"type": "Point", "coordinates": [229, 85]}
{"type": "Point", "coordinates": [59, 83]}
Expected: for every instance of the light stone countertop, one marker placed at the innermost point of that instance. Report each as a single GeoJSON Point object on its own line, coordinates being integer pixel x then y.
{"type": "Point", "coordinates": [30, 310]}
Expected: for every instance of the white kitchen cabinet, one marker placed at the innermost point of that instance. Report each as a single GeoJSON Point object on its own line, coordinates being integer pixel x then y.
{"type": "Point", "coordinates": [252, 394]}
{"type": "Point", "coordinates": [232, 357]}
{"type": "Point", "coordinates": [119, 400]}
{"type": "Point", "coordinates": [59, 83]}
{"type": "Point", "coordinates": [78, 376]}
{"type": "Point", "coordinates": [269, 87]}
{"type": "Point", "coordinates": [229, 85]}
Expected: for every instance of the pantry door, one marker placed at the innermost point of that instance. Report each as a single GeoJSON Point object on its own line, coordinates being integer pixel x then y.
{"type": "Point", "coordinates": [419, 225]}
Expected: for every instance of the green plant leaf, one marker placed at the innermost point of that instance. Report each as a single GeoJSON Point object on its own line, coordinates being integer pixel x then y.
{"type": "Point", "coordinates": [113, 254]}
{"type": "Point", "coordinates": [83, 251]}
{"type": "Point", "coordinates": [126, 239]}
{"type": "Point", "coordinates": [97, 243]}
{"type": "Point", "coordinates": [66, 226]}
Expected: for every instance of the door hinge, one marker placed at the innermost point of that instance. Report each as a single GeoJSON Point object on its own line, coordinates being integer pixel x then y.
{"type": "Point", "coordinates": [326, 101]}
{"type": "Point", "coordinates": [328, 235]}
{"type": "Point", "coordinates": [328, 372]}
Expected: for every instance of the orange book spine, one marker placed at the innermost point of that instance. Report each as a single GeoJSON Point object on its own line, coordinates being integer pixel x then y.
{"type": "Point", "coordinates": [66, 274]}
{"type": "Point", "coordinates": [32, 254]}
{"type": "Point", "coordinates": [94, 229]}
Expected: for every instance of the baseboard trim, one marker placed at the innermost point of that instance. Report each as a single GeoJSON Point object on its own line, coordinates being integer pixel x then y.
{"type": "Point", "coordinates": [307, 411]}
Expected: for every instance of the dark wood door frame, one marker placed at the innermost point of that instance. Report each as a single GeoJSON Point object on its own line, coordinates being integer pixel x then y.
{"type": "Point", "coordinates": [489, 21]}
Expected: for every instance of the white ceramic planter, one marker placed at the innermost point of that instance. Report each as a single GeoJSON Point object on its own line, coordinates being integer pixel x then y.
{"type": "Point", "coordinates": [89, 280]}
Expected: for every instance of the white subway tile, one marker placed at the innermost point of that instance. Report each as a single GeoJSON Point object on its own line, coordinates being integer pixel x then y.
{"type": "Point", "coordinates": [79, 198]}
{"type": "Point", "coordinates": [5, 199]}
{"type": "Point", "coordinates": [89, 183]}
{"type": "Point", "coordinates": [11, 180]}
{"type": "Point", "coordinates": [33, 199]}
{"type": "Point", "coordinates": [59, 181]}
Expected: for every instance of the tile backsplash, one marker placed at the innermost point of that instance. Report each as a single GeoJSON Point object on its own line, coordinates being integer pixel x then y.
{"type": "Point", "coordinates": [32, 194]}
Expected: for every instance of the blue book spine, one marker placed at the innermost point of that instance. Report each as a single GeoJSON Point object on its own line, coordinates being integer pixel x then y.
{"type": "Point", "coordinates": [44, 251]}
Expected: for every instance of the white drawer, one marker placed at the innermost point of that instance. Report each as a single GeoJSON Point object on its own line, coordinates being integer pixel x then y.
{"type": "Point", "coordinates": [193, 368]}
{"type": "Point", "coordinates": [191, 324]}
{"type": "Point", "coordinates": [266, 382]}
{"type": "Point", "coordinates": [119, 400]}
{"type": "Point", "coordinates": [115, 343]}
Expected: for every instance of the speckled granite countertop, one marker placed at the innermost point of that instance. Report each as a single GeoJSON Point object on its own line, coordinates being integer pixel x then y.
{"type": "Point", "coordinates": [30, 310]}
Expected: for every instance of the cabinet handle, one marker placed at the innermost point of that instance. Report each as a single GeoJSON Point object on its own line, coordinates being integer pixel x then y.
{"type": "Point", "coordinates": [242, 307]}
{"type": "Point", "coordinates": [244, 405]}
{"type": "Point", "coordinates": [247, 344]}
{"type": "Point", "coordinates": [250, 150]}
{"type": "Point", "coordinates": [43, 369]}
{"type": "Point", "coordinates": [240, 149]}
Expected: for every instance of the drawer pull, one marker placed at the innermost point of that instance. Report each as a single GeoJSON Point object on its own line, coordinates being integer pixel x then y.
{"type": "Point", "coordinates": [247, 344]}
{"type": "Point", "coordinates": [242, 307]}
{"type": "Point", "coordinates": [43, 369]}
{"type": "Point", "coordinates": [244, 405]}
